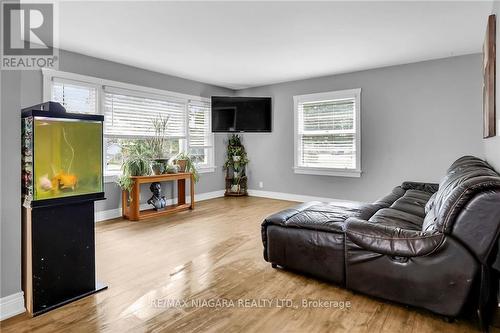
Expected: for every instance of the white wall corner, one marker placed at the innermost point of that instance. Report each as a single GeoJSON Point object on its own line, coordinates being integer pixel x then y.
{"type": "Point", "coordinates": [11, 305]}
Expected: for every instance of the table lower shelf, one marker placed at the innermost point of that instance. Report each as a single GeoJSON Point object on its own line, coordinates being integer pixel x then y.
{"type": "Point", "coordinates": [148, 213]}
{"type": "Point", "coordinates": [131, 201]}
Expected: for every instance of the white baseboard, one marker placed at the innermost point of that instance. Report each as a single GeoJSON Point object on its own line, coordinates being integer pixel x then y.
{"type": "Point", "coordinates": [114, 213]}
{"type": "Point", "coordinates": [291, 196]}
{"type": "Point", "coordinates": [11, 305]}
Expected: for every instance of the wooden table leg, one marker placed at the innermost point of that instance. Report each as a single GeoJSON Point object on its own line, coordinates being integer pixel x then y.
{"type": "Point", "coordinates": [124, 204]}
{"type": "Point", "coordinates": [191, 183]}
{"type": "Point", "coordinates": [181, 191]}
{"type": "Point", "coordinates": [135, 203]}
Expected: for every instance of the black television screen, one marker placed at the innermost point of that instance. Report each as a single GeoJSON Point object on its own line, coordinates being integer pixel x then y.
{"type": "Point", "coordinates": [241, 114]}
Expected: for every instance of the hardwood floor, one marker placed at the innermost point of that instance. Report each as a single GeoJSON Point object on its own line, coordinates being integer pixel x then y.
{"type": "Point", "coordinates": [209, 254]}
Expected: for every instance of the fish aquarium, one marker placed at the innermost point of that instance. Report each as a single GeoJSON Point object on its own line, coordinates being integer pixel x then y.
{"type": "Point", "coordinates": [62, 156]}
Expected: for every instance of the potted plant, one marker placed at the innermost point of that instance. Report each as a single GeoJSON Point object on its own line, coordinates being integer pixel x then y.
{"type": "Point", "coordinates": [171, 168]}
{"type": "Point", "coordinates": [159, 144]}
{"type": "Point", "coordinates": [186, 164]}
{"type": "Point", "coordinates": [236, 154]}
{"type": "Point", "coordinates": [157, 167]}
{"type": "Point", "coordinates": [235, 186]}
{"type": "Point", "coordinates": [136, 162]}
{"type": "Point", "coordinates": [181, 163]}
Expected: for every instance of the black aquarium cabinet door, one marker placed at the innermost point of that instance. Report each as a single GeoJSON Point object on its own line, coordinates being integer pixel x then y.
{"type": "Point", "coordinates": [63, 256]}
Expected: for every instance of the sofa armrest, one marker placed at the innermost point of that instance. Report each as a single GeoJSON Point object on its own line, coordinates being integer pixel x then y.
{"type": "Point", "coordinates": [426, 187]}
{"type": "Point", "coordinates": [391, 241]}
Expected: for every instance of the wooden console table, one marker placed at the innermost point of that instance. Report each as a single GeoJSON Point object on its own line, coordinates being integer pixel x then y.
{"type": "Point", "coordinates": [131, 210]}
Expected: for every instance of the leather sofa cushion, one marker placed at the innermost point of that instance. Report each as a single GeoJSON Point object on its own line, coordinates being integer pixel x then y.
{"type": "Point", "coordinates": [396, 218]}
{"type": "Point", "coordinates": [430, 203]}
{"type": "Point", "coordinates": [416, 194]}
{"type": "Point", "coordinates": [321, 216]}
{"type": "Point", "coordinates": [413, 202]}
{"type": "Point", "coordinates": [425, 187]}
{"type": "Point", "coordinates": [390, 198]}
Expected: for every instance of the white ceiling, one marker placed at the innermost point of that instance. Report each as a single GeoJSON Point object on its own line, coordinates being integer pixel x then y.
{"type": "Point", "coordinates": [244, 44]}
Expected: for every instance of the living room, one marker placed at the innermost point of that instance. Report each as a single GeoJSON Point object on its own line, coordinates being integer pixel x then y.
{"type": "Point", "coordinates": [342, 161]}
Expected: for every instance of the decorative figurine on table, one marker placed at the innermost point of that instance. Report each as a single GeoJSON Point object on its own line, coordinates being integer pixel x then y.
{"type": "Point", "coordinates": [157, 200]}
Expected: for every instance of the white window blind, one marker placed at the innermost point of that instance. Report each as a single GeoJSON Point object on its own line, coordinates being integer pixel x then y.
{"type": "Point", "coordinates": [327, 134]}
{"type": "Point", "coordinates": [129, 115]}
{"type": "Point", "coordinates": [129, 111]}
{"type": "Point", "coordinates": [199, 124]}
{"type": "Point", "coordinates": [75, 97]}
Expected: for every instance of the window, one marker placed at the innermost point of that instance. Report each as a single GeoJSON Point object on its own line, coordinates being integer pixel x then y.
{"type": "Point", "coordinates": [128, 114]}
{"type": "Point", "coordinates": [200, 136]}
{"type": "Point", "coordinates": [129, 117]}
{"type": "Point", "coordinates": [76, 97]}
{"type": "Point", "coordinates": [327, 133]}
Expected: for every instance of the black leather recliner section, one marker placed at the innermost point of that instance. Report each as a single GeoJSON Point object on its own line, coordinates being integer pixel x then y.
{"type": "Point", "coordinates": [322, 252]}
{"type": "Point", "coordinates": [423, 244]}
{"type": "Point", "coordinates": [438, 280]}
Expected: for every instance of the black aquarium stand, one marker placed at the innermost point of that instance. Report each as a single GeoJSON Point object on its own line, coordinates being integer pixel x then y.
{"type": "Point", "coordinates": [59, 255]}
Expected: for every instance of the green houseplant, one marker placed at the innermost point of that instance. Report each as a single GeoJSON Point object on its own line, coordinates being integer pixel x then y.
{"type": "Point", "coordinates": [158, 144]}
{"type": "Point", "coordinates": [157, 167]}
{"type": "Point", "coordinates": [136, 162]}
{"type": "Point", "coordinates": [186, 164]}
{"type": "Point", "coordinates": [236, 154]}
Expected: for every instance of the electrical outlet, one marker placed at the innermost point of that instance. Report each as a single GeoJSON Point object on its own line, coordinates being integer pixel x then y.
{"type": "Point", "coordinates": [261, 184]}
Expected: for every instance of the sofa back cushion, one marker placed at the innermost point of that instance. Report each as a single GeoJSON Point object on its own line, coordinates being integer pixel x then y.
{"type": "Point", "coordinates": [466, 177]}
{"type": "Point", "coordinates": [478, 225]}
{"type": "Point", "coordinates": [430, 203]}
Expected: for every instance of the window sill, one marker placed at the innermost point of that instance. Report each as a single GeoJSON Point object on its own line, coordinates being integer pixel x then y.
{"type": "Point", "coordinates": [328, 172]}
{"type": "Point", "coordinates": [111, 178]}
{"type": "Point", "coordinates": [207, 169]}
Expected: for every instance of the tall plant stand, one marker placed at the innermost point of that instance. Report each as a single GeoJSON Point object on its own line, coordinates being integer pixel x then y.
{"type": "Point", "coordinates": [235, 166]}
{"type": "Point", "coordinates": [240, 182]}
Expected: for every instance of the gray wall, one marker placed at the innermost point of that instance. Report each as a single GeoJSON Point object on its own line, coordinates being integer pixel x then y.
{"type": "Point", "coordinates": [416, 120]}
{"type": "Point", "coordinates": [23, 89]}
{"type": "Point", "coordinates": [10, 188]}
{"type": "Point", "coordinates": [492, 145]}
{"type": "Point", "coordinates": [31, 93]}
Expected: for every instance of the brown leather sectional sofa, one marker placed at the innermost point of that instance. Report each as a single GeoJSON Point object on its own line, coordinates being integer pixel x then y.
{"type": "Point", "coordinates": [425, 245]}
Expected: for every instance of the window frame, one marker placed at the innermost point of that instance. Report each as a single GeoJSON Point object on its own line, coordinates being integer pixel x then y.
{"type": "Point", "coordinates": [328, 96]}
{"type": "Point", "coordinates": [50, 75]}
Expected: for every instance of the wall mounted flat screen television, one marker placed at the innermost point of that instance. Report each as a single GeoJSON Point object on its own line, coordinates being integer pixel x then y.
{"type": "Point", "coordinates": [241, 114]}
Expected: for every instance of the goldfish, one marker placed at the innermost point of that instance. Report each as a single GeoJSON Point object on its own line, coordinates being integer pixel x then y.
{"type": "Point", "coordinates": [63, 181]}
